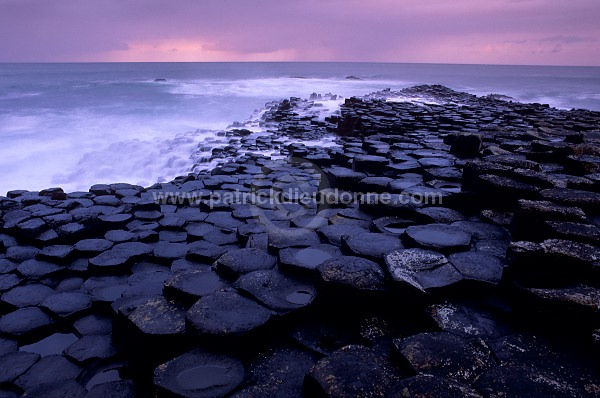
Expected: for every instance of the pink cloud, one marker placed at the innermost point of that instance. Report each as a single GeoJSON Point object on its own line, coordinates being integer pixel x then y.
{"type": "Point", "coordinates": [471, 31]}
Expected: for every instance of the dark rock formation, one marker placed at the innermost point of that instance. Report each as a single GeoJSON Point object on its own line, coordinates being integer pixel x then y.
{"type": "Point", "coordinates": [436, 249]}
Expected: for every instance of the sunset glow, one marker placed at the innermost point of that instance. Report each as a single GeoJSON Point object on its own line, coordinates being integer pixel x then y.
{"type": "Point", "coordinates": [462, 31]}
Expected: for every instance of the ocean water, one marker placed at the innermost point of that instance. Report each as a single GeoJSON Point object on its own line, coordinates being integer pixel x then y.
{"type": "Point", "coordinates": [73, 125]}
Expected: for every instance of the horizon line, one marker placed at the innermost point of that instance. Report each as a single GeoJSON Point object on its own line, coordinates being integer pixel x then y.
{"type": "Point", "coordinates": [291, 62]}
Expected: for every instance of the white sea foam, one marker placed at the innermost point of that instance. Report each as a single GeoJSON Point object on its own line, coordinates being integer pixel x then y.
{"type": "Point", "coordinates": [283, 87]}
{"type": "Point", "coordinates": [78, 124]}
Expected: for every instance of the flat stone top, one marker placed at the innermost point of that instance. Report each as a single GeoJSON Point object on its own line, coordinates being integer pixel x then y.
{"type": "Point", "coordinates": [438, 236]}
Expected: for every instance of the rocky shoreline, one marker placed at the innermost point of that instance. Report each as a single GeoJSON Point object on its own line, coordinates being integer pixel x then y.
{"type": "Point", "coordinates": [443, 248]}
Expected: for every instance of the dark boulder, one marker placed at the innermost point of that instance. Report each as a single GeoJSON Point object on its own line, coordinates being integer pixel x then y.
{"type": "Point", "coordinates": [446, 355]}
{"type": "Point", "coordinates": [352, 371]}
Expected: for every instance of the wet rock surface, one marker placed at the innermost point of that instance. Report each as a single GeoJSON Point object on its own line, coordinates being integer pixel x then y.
{"type": "Point", "coordinates": [448, 248]}
{"type": "Point", "coordinates": [199, 374]}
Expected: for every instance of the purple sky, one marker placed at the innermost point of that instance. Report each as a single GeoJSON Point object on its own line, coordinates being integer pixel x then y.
{"type": "Point", "coordinates": [550, 32]}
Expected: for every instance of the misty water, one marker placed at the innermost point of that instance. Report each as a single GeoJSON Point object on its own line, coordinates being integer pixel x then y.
{"type": "Point", "coordinates": [73, 125]}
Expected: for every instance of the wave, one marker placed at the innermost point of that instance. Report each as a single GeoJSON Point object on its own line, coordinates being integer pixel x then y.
{"type": "Point", "coordinates": [282, 87]}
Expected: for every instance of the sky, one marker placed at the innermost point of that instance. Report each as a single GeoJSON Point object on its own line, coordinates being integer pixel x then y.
{"type": "Point", "coordinates": [530, 32]}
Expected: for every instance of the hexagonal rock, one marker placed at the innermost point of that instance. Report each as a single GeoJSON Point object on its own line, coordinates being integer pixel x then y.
{"type": "Point", "coordinates": [569, 251]}
{"type": "Point", "coordinates": [234, 263]}
{"type": "Point", "coordinates": [309, 222]}
{"type": "Point", "coordinates": [277, 373]}
{"type": "Point", "coordinates": [333, 233]}
{"type": "Point", "coordinates": [467, 320]}
{"type": "Point", "coordinates": [370, 163]}
{"type": "Point", "coordinates": [62, 389]}
{"type": "Point", "coordinates": [205, 252]}
{"type": "Point", "coordinates": [352, 371]}
{"type": "Point", "coordinates": [526, 381]}
{"type": "Point", "coordinates": [93, 325]}
{"type": "Point", "coordinates": [7, 346]}
{"type": "Point", "coordinates": [189, 285]}
{"type": "Point", "coordinates": [51, 345]}
{"type": "Point", "coordinates": [277, 291]}
{"type": "Point", "coordinates": [169, 251]}
{"type": "Point", "coordinates": [493, 247]}
{"type": "Point", "coordinates": [15, 364]}
{"type": "Point", "coordinates": [440, 215]}
{"type": "Point", "coordinates": [31, 228]}
{"type": "Point", "coordinates": [306, 260]}
{"type": "Point", "coordinates": [509, 189]}
{"type": "Point", "coordinates": [570, 301]}
{"type": "Point", "coordinates": [67, 304]}
{"type": "Point", "coordinates": [27, 295]}
{"type": "Point", "coordinates": [528, 349]}
{"type": "Point", "coordinates": [371, 245]}
{"type": "Point", "coordinates": [438, 237]}
{"type": "Point", "coordinates": [446, 355]}
{"type": "Point", "coordinates": [282, 238]}
{"type": "Point", "coordinates": [11, 219]}
{"type": "Point", "coordinates": [223, 220]}
{"type": "Point", "coordinates": [91, 347]}
{"type": "Point", "coordinates": [51, 369]}
{"type": "Point", "coordinates": [120, 256]}
{"type": "Point", "coordinates": [172, 236]}
{"type": "Point", "coordinates": [8, 281]}
{"type": "Point", "coordinates": [35, 269]}
{"type": "Point", "coordinates": [198, 230]}
{"type": "Point", "coordinates": [60, 254]}
{"type": "Point", "coordinates": [114, 221]}
{"type": "Point", "coordinates": [481, 230]}
{"type": "Point", "coordinates": [466, 145]}
{"type": "Point", "coordinates": [156, 316]}
{"type": "Point", "coordinates": [21, 253]}
{"type": "Point", "coordinates": [24, 321]}
{"type": "Point", "coordinates": [221, 237]}
{"type": "Point", "coordinates": [528, 222]}
{"type": "Point", "coordinates": [421, 269]}
{"type": "Point", "coordinates": [478, 266]}
{"type": "Point", "coordinates": [7, 266]}
{"type": "Point", "coordinates": [147, 280]}
{"type": "Point", "coordinates": [394, 226]}
{"type": "Point", "coordinates": [585, 200]}
{"type": "Point", "coordinates": [198, 374]}
{"type": "Point", "coordinates": [119, 236]}
{"type": "Point", "coordinates": [354, 273]}
{"type": "Point", "coordinates": [428, 386]}
{"type": "Point", "coordinates": [586, 233]}
{"type": "Point", "coordinates": [92, 247]}
{"type": "Point", "coordinates": [114, 389]}
{"type": "Point", "coordinates": [343, 178]}
{"type": "Point", "coordinates": [226, 313]}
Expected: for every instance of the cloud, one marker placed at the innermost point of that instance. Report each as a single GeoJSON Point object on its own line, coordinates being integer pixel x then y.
{"type": "Point", "coordinates": [569, 39]}
{"type": "Point", "coordinates": [301, 30]}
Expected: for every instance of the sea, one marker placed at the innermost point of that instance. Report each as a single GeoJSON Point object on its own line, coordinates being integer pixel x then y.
{"type": "Point", "coordinates": [72, 125]}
